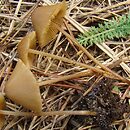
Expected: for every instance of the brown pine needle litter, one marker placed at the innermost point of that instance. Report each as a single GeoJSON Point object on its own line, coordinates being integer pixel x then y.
{"type": "Point", "coordinates": [80, 87]}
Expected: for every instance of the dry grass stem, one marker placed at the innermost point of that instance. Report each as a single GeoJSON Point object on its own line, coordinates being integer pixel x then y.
{"type": "Point", "coordinates": [50, 113]}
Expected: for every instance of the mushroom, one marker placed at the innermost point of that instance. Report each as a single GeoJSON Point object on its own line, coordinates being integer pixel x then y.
{"type": "Point", "coordinates": [29, 41]}
{"type": "Point", "coordinates": [2, 107]}
{"type": "Point", "coordinates": [44, 19]}
{"type": "Point", "coordinates": [23, 88]}
{"type": "Point", "coordinates": [26, 53]}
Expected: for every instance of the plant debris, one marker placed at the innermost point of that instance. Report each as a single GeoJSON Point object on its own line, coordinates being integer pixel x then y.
{"type": "Point", "coordinates": [109, 30]}
{"type": "Point", "coordinates": [79, 87]}
{"type": "Point", "coordinates": [108, 106]}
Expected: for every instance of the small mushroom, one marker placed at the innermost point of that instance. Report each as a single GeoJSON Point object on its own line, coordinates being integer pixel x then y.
{"type": "Point", "coordinates": [23, 89]}
{"type": "Point", "coordinates": [28, 42]}
{"type": "Point", "coordinates": [44, 19]}
{"type": "Point", "coordinates": [2, 107]}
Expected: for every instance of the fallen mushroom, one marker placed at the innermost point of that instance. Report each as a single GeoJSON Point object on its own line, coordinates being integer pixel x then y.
{"type": "Point", "coordinates": [43, 19]}
{"type": "Point", "coordinates": [23, 89]}
{"type": "Point", "coordinates": [29, 41]}
{"type": "Point", "coordinates": [2, 107]}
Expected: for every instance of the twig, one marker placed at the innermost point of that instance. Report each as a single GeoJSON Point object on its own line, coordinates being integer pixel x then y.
{"type": "Point", "coordinates": [107, 8]}
{"type": "Point", "coordinates": [50, 113]}
{"type": "Point", "coordinates": [63, 78]}
{"type": "Point", "coordinates": [13, 21]}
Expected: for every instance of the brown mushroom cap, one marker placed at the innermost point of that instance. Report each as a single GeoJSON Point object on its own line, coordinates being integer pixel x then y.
{"type": "Point", "coordinates": [2, 107]}
{"type": "Point", "coordinates": [28, 42]}
{"type": "Point", "coordinates": [43, 19]}
{"type": "Point", "coordinates": [23, 89]}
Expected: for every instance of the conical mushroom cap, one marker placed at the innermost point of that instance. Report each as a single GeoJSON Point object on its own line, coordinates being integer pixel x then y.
{"type": "Point", "coordinates": [2, 107]}
{"type": "Point", "coordinates": [28, 42]}
{"type": "Point", "coordinates": [43, 19]}
{"type": "Point", "coordinates": [23, 89]}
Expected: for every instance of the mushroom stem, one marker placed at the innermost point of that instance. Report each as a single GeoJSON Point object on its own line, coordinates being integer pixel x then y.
{"type": "Point", "coordinates": [49, 113]}
{"type": "Point", "coordinates": [72, 76]}
{"type": "Point", "coordinates": [63, 78]}
{"type": "Point", "coordinates": [90, 56]}
{"type": "Point", "coordinates": [95, 69]}
{"type": "Point", "coordinates": [68, 77]}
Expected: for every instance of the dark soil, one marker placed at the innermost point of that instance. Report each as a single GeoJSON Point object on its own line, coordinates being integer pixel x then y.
{"type": "Point", "coordinates": [108, 106]}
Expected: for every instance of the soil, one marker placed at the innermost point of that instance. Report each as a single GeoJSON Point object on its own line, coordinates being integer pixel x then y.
{"type": "Point", "coordinates": [108, 106]}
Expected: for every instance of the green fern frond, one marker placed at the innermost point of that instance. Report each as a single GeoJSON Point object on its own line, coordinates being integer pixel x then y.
{"type": "Point", "coordinates": [106, 31]}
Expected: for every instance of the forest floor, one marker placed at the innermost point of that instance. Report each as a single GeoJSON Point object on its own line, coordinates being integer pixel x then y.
{"type": "Point", "coordinates": [102, 87]}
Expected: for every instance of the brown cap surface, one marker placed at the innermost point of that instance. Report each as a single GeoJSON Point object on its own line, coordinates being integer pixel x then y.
{"type": "Point", "coordinates": [28, 42]}
{"type": "Point", "coordinates": [23, 89]}
{"type": "Point", "coordinates": [43, 19]}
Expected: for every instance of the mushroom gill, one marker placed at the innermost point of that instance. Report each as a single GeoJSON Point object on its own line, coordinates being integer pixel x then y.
{"type": "Point", "coordinates": [28, 42]}
{"type": "Point", "coordinates": [2, 107]}
{"type": "Point", "coordinates": [44, 19]}
{"type": "Point", "coordinates": [23, 89]}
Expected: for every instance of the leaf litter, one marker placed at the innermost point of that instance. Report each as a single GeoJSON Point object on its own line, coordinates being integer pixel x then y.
{"type": "Point", "coordinates": [85, 88]}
